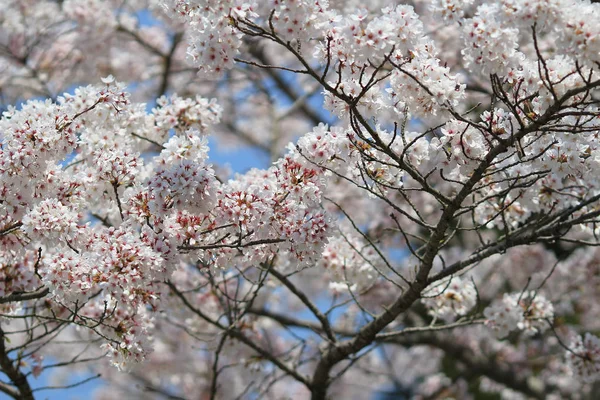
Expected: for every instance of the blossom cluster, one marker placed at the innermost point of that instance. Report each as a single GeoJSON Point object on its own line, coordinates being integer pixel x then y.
{"type": "Point", "coordinates": [351, 263]}
{"type": "Point", "coordinates": [529, 312]}
{"type": "Point", "coordinates": [175, 112]}
{"type": "Point", "coordinates": [216, 41]}
{"type": "Point", "coordinates": [359, 46]}
{"type": "Point", "coordinates": [110, 225]}
{"type": "Point", "coordinates": [583, 357]}
{"type": "Point", "coordinates": [450, 298]}
{"type": "Point", "coordinates": [462, 130]}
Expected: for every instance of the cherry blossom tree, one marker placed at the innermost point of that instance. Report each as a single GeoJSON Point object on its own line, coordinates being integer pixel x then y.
{"type": "Point", "coordinates": [427, 227]}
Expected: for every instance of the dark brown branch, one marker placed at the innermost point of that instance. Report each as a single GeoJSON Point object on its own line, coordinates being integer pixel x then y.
{"type": "Point", "coordinates": [23, 390]}
{"type": "Point", "coordinates": [23, 296]}
{"type": "Point", "coordinates": [215, 368]}
{"type": "Point", "coordinates": [232, 245]}
{"type": "Point", "coordinates": [168, 60]}
{"type": "Point", "coordinates": [11, 228]}
{"type": "Point", "coordinates": [237, 334]}
{"type": "Point", "coordinates": [306, 301]}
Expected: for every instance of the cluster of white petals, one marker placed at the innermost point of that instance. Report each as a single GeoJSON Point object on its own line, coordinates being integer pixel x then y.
{"type": "Point", "coordinates": [351, 264]}
{"type": "Point", "coordinates": [583, 357]}
{"type": "Point", "coordinates": [443, 160]}
{"type": "Point", "coordinates": [450, 298]}
{"type": "Point", "coordinates": [79, 158]}
{"type": "Point", "coordinates": [529, 312]}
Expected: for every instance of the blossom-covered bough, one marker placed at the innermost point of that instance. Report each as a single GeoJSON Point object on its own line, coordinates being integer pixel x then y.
{"type": "Point", "coordinates": [430, 233]}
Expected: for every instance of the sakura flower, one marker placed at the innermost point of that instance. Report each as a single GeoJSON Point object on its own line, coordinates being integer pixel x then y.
{"type": "Point", "coordinates": [583, 357]}
{"type": "Point", "coordinates": [527, 311]}
{"type": "Point", "coordinates": [50, 220]}
{"type": "Point", "coordinates": [449, 298]}
{"type": "Point", "coordinates": [503, 316]}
